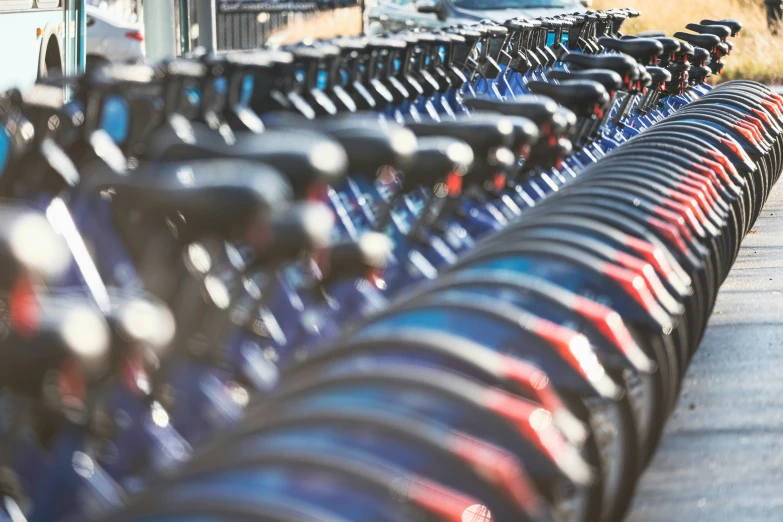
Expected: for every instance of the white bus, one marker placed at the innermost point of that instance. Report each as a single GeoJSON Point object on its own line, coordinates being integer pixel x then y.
{"type": "Point", "coordinates": [39, 38]}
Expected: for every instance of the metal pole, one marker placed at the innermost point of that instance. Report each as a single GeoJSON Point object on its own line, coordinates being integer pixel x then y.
{"type": "Point", "coordinates": [207, 25]}
{"type": "Point", "coordinates": [81, 21]}
{"type": "Point", "coordinates": [184, 26]}
{"type": "Point", "coordinates": [159, 22]}
{"type": "Point", "coordinates": [362, 6]}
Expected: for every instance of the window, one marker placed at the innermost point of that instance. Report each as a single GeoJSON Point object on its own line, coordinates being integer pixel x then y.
{"type": "Point", "coordinates": [510, 4]}
{"type": "Point", "coordinates": [15, 5]}
{"type": "Point", "coordinates": [23, 5]}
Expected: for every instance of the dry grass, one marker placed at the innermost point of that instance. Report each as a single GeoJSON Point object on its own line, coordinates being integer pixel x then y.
{"type": "Point", "coordinates": [757, 55]}
{"type": "Point", "coordinates": [327, 24]}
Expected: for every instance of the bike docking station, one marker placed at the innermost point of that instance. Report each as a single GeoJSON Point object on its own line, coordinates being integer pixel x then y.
{"type": "Point", "coordinates": [434, 275]}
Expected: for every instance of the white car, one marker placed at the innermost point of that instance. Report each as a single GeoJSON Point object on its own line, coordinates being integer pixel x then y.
{"type": "Point", "coordinates": [109, 38]}
{"type": "Point", "coordinates": [395, 15]}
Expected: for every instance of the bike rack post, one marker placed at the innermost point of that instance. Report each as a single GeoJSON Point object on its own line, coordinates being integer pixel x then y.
{"type": "Point", "coordinates": [207, 25]}
{"type": "Point", "coordinates": [159, 18]}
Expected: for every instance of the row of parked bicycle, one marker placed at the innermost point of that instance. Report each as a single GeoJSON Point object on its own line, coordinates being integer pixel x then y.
{"type": "Point", "coordinates": [452, 275]}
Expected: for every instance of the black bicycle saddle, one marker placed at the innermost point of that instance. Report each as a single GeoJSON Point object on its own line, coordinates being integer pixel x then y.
{"type": "Point", "coordinates": [625, 66]}
{"type": "Point", "coordinates": [610, 80]}
{"type": "Point", "coordinates": [721, 31]}
{"type": "Point", "coordinates": [580, 96]}
{"type": "Point", "coordinates": [734, 25]}
{"type": "Point", "coordinates": [642, 49]}
{"type": "Point", "coordinates": [539, 109]}
{"type": "Point", "coordinates": [706, 41]}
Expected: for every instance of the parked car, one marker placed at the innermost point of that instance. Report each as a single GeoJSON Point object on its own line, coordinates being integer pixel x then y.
{"type": "Point", "coordinates": [390, 15]}
{"type": "Point", "coordinates": [393, 15]}
{"type": "Point", "coordinates": [109, 38]}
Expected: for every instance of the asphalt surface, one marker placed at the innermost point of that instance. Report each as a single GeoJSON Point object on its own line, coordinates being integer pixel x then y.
{"type": "Point", "coordinates": [721, 458]}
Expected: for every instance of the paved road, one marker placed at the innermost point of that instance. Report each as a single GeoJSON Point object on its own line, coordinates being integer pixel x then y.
{"type": "Point", "coordinates": [721, 458]}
